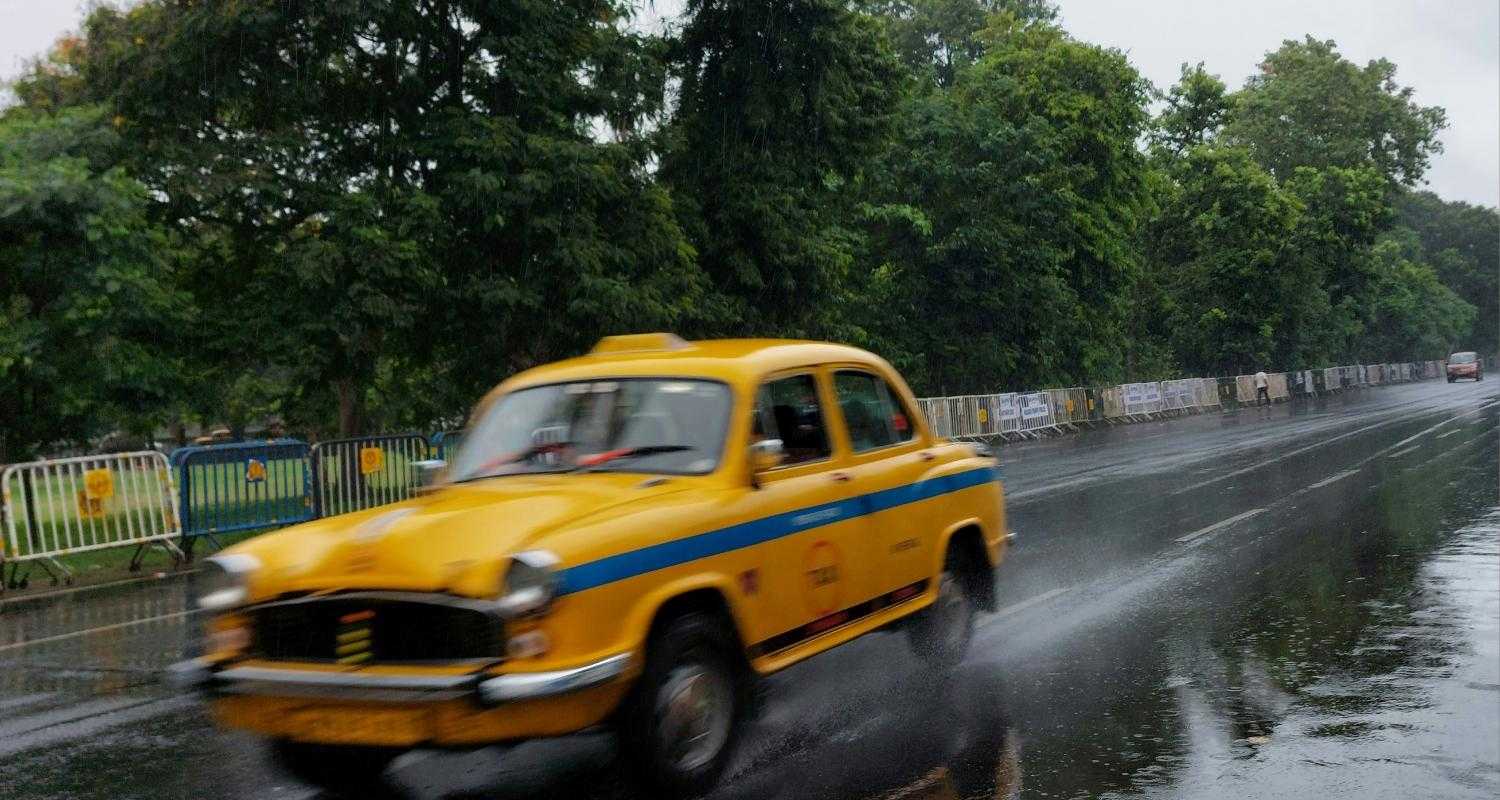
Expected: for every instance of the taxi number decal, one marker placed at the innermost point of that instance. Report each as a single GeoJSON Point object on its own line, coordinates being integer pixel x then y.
{"type": "Point", "coordinates": [821, 570]}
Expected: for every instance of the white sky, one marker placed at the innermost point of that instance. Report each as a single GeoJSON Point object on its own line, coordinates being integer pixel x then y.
{"type": "Point", "coordinates": [1448, 50]}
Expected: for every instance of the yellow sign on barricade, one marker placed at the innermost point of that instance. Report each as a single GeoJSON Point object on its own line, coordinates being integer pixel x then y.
{"type": "Point", "coordinates": [90, 507]}
{"type": "Point", "coordinates": [99, 484]}
{"type": "Point", "coordinates": [371, 460]}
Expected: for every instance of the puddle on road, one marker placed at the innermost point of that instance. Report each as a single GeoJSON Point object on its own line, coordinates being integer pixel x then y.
{"type": "Point", "coordinates": [1360, 661]}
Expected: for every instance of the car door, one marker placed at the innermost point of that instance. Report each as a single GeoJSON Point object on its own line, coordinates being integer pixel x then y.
{"type": "Point", "coordinates": [888, 461]}
{"type": "Point", "coordinates": [814, 523]}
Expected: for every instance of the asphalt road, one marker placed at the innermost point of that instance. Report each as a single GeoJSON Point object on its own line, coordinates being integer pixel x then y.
{"type": "Point", "coordinates": [1290, 602]}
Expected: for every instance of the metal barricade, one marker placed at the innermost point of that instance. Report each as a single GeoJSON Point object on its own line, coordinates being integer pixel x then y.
{"type": "Point", "coordinates": [1276, 386]}
{"type": "Point", "coordinates": [1078, 405]}
{"type": "Point", "coordinates": [1112, 399]}
{"type": "Point", "coordinates": [444, 443]}
{"type": "Point", "coordinates": [75, 505]}
{"type": "Point", "coordinates": [1036, 411]}
{"type": "Point", "coordinates": [1206, 392]}
{"type": "Point", "coordinates": [931, 408]}
{"type": "Point", "coordinates": [242, 486]}
{"type": "Point", "coordinates": [1010, 414]}
{"type": "Point", "coordinates": [365, 472]}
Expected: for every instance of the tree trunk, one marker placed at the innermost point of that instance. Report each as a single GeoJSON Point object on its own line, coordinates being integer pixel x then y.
{"type": "Point", "coordinates": [351, 407]}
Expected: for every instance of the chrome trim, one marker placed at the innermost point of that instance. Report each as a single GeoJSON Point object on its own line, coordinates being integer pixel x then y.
{"type": "Point", "coordinates": [532, 685]}
{"type": "Point", "coordinates": [428, 598]}
{"type": "Point", "coordinates": [357, 685]}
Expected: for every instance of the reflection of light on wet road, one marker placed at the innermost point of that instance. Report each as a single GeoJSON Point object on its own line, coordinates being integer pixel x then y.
{"type": "Point", "coordinates": [1340, 643]}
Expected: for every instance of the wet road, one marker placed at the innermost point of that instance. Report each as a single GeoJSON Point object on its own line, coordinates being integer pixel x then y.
{"type": "Point", "coordinates": [1301, 601]}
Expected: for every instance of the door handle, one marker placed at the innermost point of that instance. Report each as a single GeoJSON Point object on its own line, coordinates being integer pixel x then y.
{"type": "Point", "coordinates": [928, 455]}
{"type": "Point", "coordinates": [840, 477]}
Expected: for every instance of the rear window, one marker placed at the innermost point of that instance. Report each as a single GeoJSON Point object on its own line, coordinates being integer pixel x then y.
{"type": "Point", "coordinates": [1462, 358]}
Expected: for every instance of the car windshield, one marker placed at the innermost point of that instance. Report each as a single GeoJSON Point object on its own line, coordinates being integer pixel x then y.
{"type": "Point", "coordinates": [1462, 358]}
{"type": "Point", "coordinates": [670, 426]}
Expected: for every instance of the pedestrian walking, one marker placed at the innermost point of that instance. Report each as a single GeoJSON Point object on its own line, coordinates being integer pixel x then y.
{"type": "Point", "coordinates": [1262, 388]}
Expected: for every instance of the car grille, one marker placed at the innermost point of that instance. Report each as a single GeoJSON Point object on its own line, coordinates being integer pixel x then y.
{"type": "Point", "coordinates": [359, 629]}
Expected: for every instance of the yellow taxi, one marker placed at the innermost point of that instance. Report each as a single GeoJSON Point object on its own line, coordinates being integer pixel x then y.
{"type": "Point", "coordinates": [630, 538]}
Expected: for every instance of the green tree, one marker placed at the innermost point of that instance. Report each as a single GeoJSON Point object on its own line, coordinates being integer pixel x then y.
{"type": "Point", "coordinates": [363, 185]}
{"type": "Point", "coordinates": [1311, 107]}
{"type": "Point", "coordinates": [87, 297]}
{"type": "Point", "coordinates": [1225, 238]}
{"type": "Point", "coordinates": [1416, 316]}
{"type": "Point", "coordinates": [1028, 188]}
{"type": "Point", "coordinates": [1196, 109]}
{"type": "Point", "coordinates": [780, 107]}
{"type": "Point", "coordinates": [1462, 243]}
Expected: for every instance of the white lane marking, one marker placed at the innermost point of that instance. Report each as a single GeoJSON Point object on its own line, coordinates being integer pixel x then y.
{"type": "Point", "coordinates": [1015, 608]}
{"type": "Point", "coordinates": [93, 587]}
{"type": "Point", "coordinates": [1330, 479]}
{"type": "Point", "coordinates": [1286, 455]}
{"type": "Point", "coordinates": [1400, 453]}
{"type": "Point", "coordinates": [1223, 523]}
{"type": "Point", "coordinates": [101, 629]}
{"type": "Point", "coordinates": [1450, 433]}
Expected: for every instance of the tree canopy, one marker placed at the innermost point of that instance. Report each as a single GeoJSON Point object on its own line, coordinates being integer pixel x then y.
{"type": "Point", "coordinates": [358, 216]}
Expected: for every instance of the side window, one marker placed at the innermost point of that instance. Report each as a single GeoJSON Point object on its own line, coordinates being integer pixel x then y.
{"type": "Point", "coordinates": [788, 409]}
{"type": "Point", "coordinates": [872, 412]}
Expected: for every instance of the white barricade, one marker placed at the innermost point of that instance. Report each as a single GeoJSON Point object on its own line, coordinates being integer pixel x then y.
{"type": "Point", "coordinates": [1206, 392]}
{"type": "Point", "coordinates": [1036, 411]}
{"type": "Point", "coordinates": [1010, 413]}
{"type": "Point", "coordinates": [75, 505]}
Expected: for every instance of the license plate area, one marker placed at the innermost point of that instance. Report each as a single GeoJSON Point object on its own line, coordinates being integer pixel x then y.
{"type": "Point", "coordinates": [372, 726]}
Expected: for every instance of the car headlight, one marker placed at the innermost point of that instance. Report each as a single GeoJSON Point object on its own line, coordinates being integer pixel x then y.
{"type": "Point", "coordinates": [530, 583]}
{"type": "Point", "coordinates": [224, 582]}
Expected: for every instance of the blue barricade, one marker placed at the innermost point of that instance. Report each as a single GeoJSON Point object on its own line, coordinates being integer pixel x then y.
{"type": "Point", "coordinates": [444, 443]}
{"type": "Point", "coordinates": [242, 486]}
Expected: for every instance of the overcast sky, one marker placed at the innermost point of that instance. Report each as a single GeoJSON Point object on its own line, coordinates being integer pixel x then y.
{"type": "Point", "coordinates": [1448, 50]}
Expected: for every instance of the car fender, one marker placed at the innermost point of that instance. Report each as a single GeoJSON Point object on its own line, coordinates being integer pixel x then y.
{"type": "Point", "coordinates": [638, 627]}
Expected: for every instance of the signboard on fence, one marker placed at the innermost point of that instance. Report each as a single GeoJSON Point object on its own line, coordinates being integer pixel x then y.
{"type": "Point", "coordinates": [371, 460]}
{"type": "Point", "coordinates": [1009, 410]}
{"type": "Point", "coordinates": [1034, 406]}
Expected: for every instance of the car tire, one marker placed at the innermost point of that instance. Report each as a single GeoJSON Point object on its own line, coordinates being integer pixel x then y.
{"type": "Point", "coordinates": [343, 771]}
{"type": "Point", "coordinates": [940, 634]}
{"type": "Point", "coordinates": [1450, 380]}
{"type": "Point", "coordinates": [679, 725]}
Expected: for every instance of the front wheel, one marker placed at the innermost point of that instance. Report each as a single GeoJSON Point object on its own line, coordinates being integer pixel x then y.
{"type": "Point", "coordinates": [338, 770]}
{"type": "Point", "coordinates": [940, 633]}
{"type": "Point", "coordinates": [679, 724]}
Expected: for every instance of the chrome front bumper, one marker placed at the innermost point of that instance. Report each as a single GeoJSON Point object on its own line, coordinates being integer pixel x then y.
{"type": "Point", "coordinates": [198, 674]}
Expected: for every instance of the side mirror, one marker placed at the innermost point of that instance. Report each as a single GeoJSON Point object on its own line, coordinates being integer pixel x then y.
{"type": "Point", "coordinates": [766, 454]}
{"type": "Point", "coordinates": [429, 474]}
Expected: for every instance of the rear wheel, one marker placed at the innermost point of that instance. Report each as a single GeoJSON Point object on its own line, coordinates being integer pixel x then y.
{"type": "Point", "coordinates": [680, 723]}
{"type": "Point", "coordinates": [338, 770]}
{"type": "Point", "coordinates": [940, 633]}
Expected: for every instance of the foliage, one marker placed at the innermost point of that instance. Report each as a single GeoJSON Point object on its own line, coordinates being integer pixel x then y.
{"type": "Point", "coordinates": [1416, 316]}
{"type": "Point", "coordinates": [1224, 237]}
{"type": "Point", "coordinates": [780, 105]}
{"type": "Point", "coordinates": [359, 216]}
{"type": "Point", "coordinates": [87, 287]}
{"type": "Point", "coordinates": [1462, 242]}
{"type": "Point", "coordinates": [1196, 109]}
{"type": "Point", "coordinates": [1311, 107]}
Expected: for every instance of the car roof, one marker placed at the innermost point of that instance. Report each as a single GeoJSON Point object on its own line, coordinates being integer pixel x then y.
{"type": "Point", "coordinates": [730, 360]}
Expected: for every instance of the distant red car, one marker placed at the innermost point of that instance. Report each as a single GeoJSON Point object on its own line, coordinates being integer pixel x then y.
{"type": "Point", "coordinates": [1465, 365]}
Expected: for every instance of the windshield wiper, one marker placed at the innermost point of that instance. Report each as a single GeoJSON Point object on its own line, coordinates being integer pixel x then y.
{"type": "Point", "coordinates": [595, 459]}
{"type": "Point", "coordinates": [487, 469]}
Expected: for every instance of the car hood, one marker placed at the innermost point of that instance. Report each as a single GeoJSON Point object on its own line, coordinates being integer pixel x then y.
{"type": "Point", "coordinates": [455, 539]}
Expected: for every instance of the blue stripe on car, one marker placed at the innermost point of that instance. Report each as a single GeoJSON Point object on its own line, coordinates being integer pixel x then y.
{"type": "Point", "coordinates": [746, 534]}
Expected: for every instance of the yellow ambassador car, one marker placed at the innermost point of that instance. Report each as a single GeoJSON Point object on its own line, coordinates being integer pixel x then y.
{"type": "Point", "coordinates": [630, 538]}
